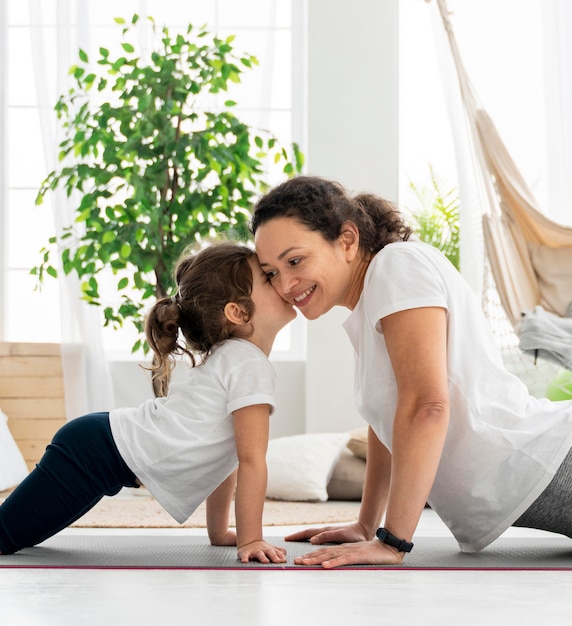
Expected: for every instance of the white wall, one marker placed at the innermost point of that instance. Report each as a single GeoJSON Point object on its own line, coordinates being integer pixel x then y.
{"type": "Point", "coordinates": [352, 138]}
{"type": "Point", "coordinates": [132, 386]}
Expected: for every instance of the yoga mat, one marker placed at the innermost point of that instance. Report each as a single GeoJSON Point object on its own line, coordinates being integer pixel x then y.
{"type": "Point", "coordinates": [179, 552]}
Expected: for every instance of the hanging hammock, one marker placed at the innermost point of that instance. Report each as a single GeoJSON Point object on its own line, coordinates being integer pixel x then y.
{"type": "Point", "coordinates": [530, 256]}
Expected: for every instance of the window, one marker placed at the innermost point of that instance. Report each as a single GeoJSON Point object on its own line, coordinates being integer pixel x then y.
{"type": "Point", "coordinates": [36, 63]}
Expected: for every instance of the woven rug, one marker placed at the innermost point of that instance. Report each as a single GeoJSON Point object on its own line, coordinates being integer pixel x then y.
{"type": "Point", "coordinates": [104, 551]}
{"type": "Point", "coordinates": [143, 511]}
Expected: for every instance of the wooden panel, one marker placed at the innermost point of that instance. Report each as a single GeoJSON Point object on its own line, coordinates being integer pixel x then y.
{"type": "Point", "coordinates": [25, 366]}
{"type": "Point", "coordinates": [31, 387]}
{"type": "Point", "coordinates": [34, 428]}
{"type": "Point", "coordinates": [32, 395]}
{"type": "Point", "coordinates": [33, 408]}
{"type": "Point", "coordinates": [27, 349]}
{"type": "Point", "coordinates": [32, 449]}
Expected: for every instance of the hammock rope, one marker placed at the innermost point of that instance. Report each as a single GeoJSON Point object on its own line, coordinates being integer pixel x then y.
{"type": "Point", "coordinates": [512, 224]}
{"type": "Point", "coordinates": [512, 218]}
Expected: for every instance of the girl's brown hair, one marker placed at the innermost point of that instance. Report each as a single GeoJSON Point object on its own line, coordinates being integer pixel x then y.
{"type": "Point", "coordinates": [324, 206]}
{"type": "Point", "coordinates": [193, 321]}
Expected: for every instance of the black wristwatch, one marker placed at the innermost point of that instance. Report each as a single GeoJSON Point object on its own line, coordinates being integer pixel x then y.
{"type": "Point", "coordinates": [391, 540]}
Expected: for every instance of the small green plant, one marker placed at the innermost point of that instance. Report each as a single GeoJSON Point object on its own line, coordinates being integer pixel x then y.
{"type": "Point", "coordinates": [436, 218]}
{"type": "Point", "coordinates": [150, 168]}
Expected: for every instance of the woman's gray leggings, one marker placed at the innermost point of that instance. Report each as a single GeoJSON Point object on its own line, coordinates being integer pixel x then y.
{"type": "Point", "coordinates": [552, 510]}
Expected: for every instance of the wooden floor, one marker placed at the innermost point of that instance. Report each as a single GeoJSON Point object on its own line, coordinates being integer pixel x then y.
{"type": "Point", "coordinates": [63, 597]}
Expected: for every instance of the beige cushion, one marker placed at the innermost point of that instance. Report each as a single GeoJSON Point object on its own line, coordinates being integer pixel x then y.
{"type": "Point", "coordinates": [553, 268]}
{"type": "Point", "coordinates": [300, 466]}
{"type": "Point", "coordinates": [358, 442]}
{"type": "Point", "coordinates": [348, 478]}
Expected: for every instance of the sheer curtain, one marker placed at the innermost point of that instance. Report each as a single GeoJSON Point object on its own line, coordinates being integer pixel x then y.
{"type": "Point", "coordinates": [87, 378]}
{"type": "Point", "coordinates": [472, 246]}
{"type": "Point", "coordinates": [556, 30]}
{"type": "Point", "coordinates": [558, 80]}
{"type": "Point", "coordinates": [88, 382]}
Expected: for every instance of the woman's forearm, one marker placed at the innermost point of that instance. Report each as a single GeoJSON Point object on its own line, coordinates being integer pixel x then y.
{"type": "Point", "coordinates": [376, 486]}
{"type": "Point", "coordinates": [417, 448]}
{"type": "Point", "coordinates": [421, 416]}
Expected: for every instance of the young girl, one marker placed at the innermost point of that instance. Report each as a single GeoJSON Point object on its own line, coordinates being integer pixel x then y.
{"type": "Point", "coordinates": [184, 447]}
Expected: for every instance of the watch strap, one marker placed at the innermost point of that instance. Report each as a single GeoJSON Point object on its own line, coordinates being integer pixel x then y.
{"type": "Point", "coordinates": [386, 537]}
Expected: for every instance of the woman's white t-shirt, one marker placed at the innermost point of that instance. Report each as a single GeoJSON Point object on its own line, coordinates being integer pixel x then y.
{"type": "Point", "coordinates": [503, 446]}
{"type": "Point", "coordinates": [182, 447]}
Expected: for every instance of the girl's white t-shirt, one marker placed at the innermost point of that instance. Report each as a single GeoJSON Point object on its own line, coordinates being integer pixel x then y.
{"type": "Point", "coordinates": [503, 446]}
{"type": "Point", "coordinates": [181, 447]}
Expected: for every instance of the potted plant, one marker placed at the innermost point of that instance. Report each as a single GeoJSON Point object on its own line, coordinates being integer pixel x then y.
{"type": "Point", "coordinates": [150, 171]}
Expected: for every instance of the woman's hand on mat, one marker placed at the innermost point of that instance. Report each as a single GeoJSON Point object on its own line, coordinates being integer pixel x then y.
{"type": "Point", "coordinates": [332, 534]}
{"type": "Point", "coordinates": [228, 539]}
{"type": "Point", "coordinates": [362, 553]}
{"type": "Point", "coordinates": [261, 551]}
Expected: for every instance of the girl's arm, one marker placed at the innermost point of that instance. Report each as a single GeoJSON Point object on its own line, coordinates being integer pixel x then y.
{"type": "Point", "coordinates": [251, 427]}
{"type": "Point", "coordinates": [218, 512]}
{"type": "Point", "coordinates": [416, 340]}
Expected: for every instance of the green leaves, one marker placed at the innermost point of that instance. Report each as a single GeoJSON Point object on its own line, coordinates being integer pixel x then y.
{"type": "Point", "coordinates": [125, 250]}
{"type": "Point", "coordinates": [436, 219]}
{"type": "Point", "coordinates": [149, 169]}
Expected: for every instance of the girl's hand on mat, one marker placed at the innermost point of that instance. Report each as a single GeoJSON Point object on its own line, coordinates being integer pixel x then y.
{"type": "Point", "coordinates": [362, 553]}
{"type": "Point", "coordinates": [228, 539]}
{"type": "Point", "coordinates": [332, 534]}
{"type": "Point", "coordinates": [261, 551]}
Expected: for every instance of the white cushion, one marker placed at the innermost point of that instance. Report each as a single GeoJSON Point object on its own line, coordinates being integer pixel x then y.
{"type": "Point", "coordinates": [13, 468]}
{"type": "Point", "coordinates": [300, 466]}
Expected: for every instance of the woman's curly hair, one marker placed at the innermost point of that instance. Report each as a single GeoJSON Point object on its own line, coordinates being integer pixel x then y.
{"type": "Point", "coordinates": [324, 206]}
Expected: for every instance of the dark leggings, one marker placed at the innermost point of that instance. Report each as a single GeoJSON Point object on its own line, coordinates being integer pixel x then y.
{"type": "Point", "coordinates": [552, 510]}
{"type": "Point", "coordinates": [79, 467]}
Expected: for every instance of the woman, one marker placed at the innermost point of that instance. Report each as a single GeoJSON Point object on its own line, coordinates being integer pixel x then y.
{"type": "Point", "coordinates": [448, 424]}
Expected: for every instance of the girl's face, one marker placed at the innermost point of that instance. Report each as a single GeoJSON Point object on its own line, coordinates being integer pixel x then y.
{"type": "Point", "coordinates": [271, 312]}
{"type": "Point", "coordinates": [305, 269]}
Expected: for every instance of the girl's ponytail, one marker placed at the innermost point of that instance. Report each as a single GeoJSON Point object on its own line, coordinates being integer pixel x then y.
{"type": "Point", "coordinates": [162, 330]}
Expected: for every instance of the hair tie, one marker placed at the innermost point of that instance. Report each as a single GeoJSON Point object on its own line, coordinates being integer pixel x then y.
{"type": "Point", "coordinates": [174, 301]}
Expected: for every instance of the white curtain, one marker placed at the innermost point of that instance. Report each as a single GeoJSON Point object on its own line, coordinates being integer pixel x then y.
{"type": "Point", "coordinates": [88, 382]}
{"type": "Point", "coordinates": [558, 92]}
{"type": "Point", "coordinates": [470, 219]}
{"type": "Point", "coordinates": [87, 378]}
{"type": "Point", "coordinates": [557, 35]}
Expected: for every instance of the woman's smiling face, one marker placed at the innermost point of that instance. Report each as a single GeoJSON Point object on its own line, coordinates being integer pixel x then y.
{"type": "Point", "coordinates": [304, 268]}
